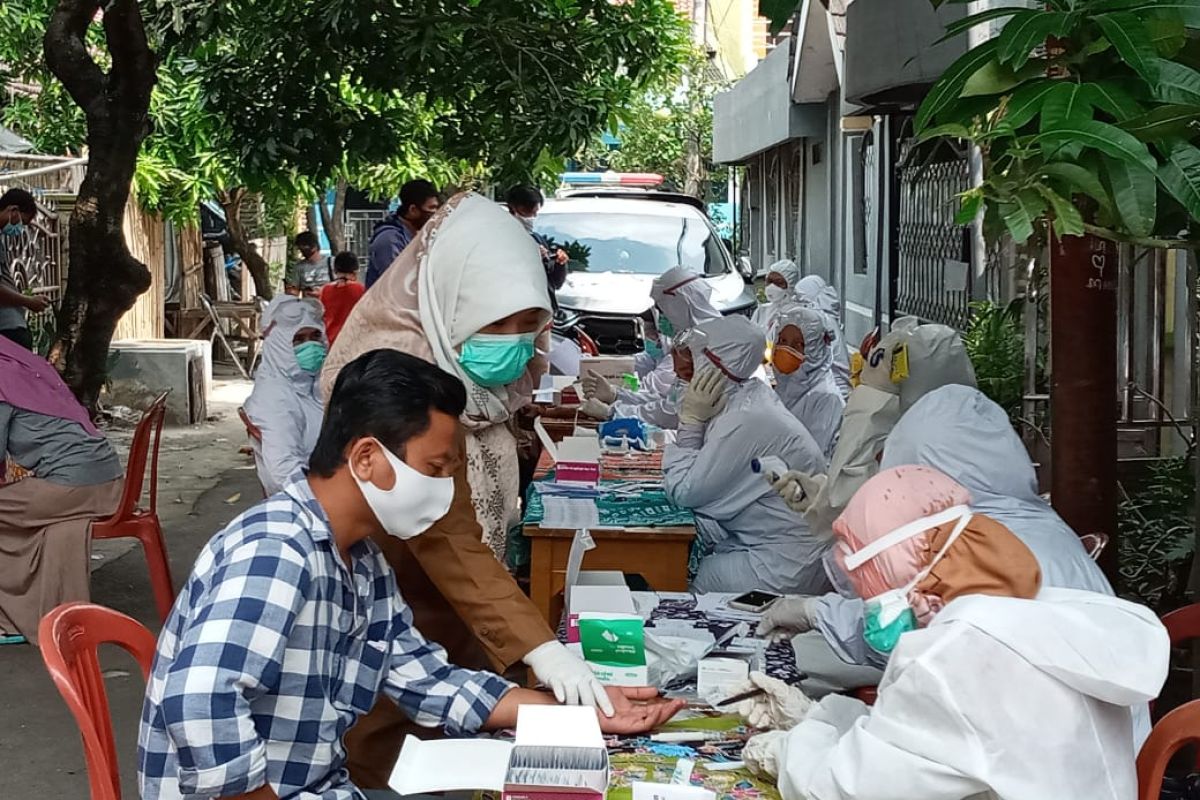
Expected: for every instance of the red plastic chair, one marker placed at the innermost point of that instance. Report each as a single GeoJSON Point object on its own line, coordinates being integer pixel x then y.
{"type": "Point", "coordinates": [587, 345]}
{"type": "Point", "coordinates": [1183, 624]}
{"type": "Point", "coordinates": [142, 523]}
{"type": "Point", "coordinates": [252, 430]}
{"type": "Point", "coordinates": [69, 637]}
{"type": "Point", "coordinates": [1177, 729]}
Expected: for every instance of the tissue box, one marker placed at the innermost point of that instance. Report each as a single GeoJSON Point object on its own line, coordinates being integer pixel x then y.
{"type": "Point", "coordinates": [597, 592]}
{"type": "Point", "coordinates": [578, 461]}
{"type": "Point", "coordinates": [559, 754]}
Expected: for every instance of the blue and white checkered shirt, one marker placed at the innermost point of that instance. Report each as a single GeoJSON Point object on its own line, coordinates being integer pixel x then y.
{"type": "Point", "coordinates": [275, 648]}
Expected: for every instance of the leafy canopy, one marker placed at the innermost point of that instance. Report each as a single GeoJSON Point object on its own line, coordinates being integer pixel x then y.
{"type": "Point", "coordinates": [1086, 112]}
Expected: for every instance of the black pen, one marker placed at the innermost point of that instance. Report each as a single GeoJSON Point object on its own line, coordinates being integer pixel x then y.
{"type": "Point", "coordinates": [737, 698]}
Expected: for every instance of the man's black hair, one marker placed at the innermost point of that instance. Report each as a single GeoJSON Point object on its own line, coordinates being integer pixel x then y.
{"type": "Point", "coordinates": [524, 196]}
{"type": "Point", "coordinates": [22, 199]}
{"type": "Point", "coordinates": [345, 262]}
{"type": "Point", "coordinates": [307, 239]}
{"type": "Point", "coordinates": [415, 193]}
{"type": "Point", "coordinates": [387, 395]}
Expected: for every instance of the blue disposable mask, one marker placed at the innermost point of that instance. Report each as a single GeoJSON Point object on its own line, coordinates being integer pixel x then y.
{"type": "Point", "coordinates": [496, 359]}
{"type": "Point", "coordinates": [310, 356]}
{"type": "Point", "coordinates": [14, 229]}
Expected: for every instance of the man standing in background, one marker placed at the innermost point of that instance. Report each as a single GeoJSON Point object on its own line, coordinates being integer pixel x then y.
{"type": "Point", "coordinates": [419, 200]}
{"type": "Point", "coordinates": [306, 277]}
{"type": "Point", "coordinates": [17, 209]}
{"type": "Point", "coordinates": [524, 202]}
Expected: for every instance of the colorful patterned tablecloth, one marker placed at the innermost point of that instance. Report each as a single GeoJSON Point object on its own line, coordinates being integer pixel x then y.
{"type": "Point", "coordinates": [647, 509]}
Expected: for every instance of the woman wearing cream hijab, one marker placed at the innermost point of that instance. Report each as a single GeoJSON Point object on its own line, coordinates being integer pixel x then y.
{"type": "Point", "coordinates": [470, 295]}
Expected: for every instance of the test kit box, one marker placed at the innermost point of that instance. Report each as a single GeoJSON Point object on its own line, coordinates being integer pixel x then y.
{"type": "Point", "coordinates": [559, 753]}
{"type": "Point", "coordinates": [597, 592]}
{"type": "Point", "coordinates": [578, 461]}
{"type": "Point", "coordinates": [614, 647]}
{"type": "Point", "coordinates": [612, 368]}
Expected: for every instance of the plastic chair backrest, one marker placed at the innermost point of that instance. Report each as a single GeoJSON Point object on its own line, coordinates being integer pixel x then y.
{"type": "Point", "coordinates": [69, 637]}
{"type": "Point", "coordinates": [1183, 624]}
{"type": "Point", "coordinates": [1179, 728]}
{"type": "Point", "coordinates": [1094, 544]}
{"type": "Point", "coordinates": [252, 430]}
{"type": "Point", "coordinates": [150, 424]}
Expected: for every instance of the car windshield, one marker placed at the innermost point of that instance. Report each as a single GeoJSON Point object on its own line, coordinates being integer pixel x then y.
{"type": "Point", "coordinates": [634, 243]}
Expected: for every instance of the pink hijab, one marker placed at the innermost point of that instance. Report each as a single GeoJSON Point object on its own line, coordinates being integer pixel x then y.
{"type": "Point", "coordinates": [29, 382]}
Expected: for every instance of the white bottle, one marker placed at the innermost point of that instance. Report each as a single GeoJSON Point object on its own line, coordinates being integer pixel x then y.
{"type": "Point", "coordinates": [771, 468]}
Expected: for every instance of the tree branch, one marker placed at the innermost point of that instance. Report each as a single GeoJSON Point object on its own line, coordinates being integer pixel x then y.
{"type": "Point", "coordinates": [1141, 241]}
{"type": "Point", "coordinates": [67, 56]}
{"type": "Point", "coordinates": [133, 62]}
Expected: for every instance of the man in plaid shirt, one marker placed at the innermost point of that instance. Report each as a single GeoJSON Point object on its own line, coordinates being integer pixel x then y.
{"type": "Point", "coordinates": [291, 623]}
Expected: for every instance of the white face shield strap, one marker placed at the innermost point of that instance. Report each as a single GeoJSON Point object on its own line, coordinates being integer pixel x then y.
{"type": "Point", "coordinates": [960, 513]}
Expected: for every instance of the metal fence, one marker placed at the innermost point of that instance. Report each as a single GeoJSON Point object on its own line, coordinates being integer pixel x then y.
{"type": "Point", "coordinates": [359, 226]}
{"type": "Point", "coordinates": [935, 277]}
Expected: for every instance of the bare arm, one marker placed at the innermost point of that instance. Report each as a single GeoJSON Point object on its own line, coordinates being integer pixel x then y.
{"type": "Point", "coordinates": [638, 709]}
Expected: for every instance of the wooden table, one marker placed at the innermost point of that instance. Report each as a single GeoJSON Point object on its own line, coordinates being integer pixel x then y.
{"type": "Point", "coordinates": [660, 555]}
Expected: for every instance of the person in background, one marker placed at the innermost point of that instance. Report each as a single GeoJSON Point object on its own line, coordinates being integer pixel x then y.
{"type": "Point", "coordinates": [18, 209]}
{"type": "Point", "coordinates": [313, 270]}
{"type": "Point", "coordinates": [292, 624]}
{"type": "Point", "coordinates": [682, 300]}
{"type": "Point", "coordinates": [804, 376]}
{"type": "Point", "coordinates": [339, 297]}
{"type": "Point", "coordinates": [782, 278]}
{"type": "Point", "coordinates": [74, 478]}
{"type": "Point", "coordinates": [727, 419]}
{"type": "Point", "coordinates": [470, 295]}
{"type": "Point", "coordinates": [997, 685]}
{"type": "Point", "coordinates": [812, 290]}
{"type": "Point", "coordinates": [285, 403]}
{"type": "Point", "coordinates": [524, 202]}
{"type": "Point", "coordinates": [419, 201]}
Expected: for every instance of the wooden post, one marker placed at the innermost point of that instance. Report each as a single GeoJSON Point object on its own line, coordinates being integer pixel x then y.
{"type": "Point", "coordinates": [1083, 390]}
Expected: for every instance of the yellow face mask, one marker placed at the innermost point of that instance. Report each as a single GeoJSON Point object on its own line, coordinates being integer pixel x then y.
{"type": "Point", "coordinates": [856, 368]}
{"type": "Point", "coordinates": [787, 360]}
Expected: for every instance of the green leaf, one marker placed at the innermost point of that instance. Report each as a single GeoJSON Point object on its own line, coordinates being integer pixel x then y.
{"type": "Point", "coordinates": [951, 130]}
{"type": "Point", "coordinates": [1132, 41]}
{"type": "Point", "coordinates": [1163, 122]}
{"type": "Point", "coordinates": [1017, 220]}
{"type": "Point", "coordinates": [960, 26]}
{"type": "Point", "coordinates": [1176, 83]}
{"type": "Point", "coordinates": [1026, 31]}
{"type": "Point", "coordinates": [1026, 103]}
{"type": "Point", "coordinates": [992, 78]}
{"type": "Point", "coordinates": [1111, 97]}
{"type": "Point", "coordinates": [1066, 102]}
{"type": "Point", "coordinates": [1181, 177]}
{"type": "Point", "coordinates": [1135, 195]}
{"type": "Point", "coordinates": [1167, 33]}
{"type": "Point", "coordinates": [970, 204]}
{"type": "Point", "coordinates": [1108, 139]}
{"type": "Point", "coordinates": [1067, 219]}
{"type": "Point", "coordinates": [1078, 178]}
{"type": "Point", "coordinates": [948, 87]}
{"type": "Point", "coordinates": [1188, 10]}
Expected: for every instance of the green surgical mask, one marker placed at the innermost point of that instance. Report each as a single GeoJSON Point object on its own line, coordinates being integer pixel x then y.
{"type": "Point", "coordinates": [310, 356]}
{"type": "Point", "coordinates": [882, 625]}
{"type": "Point", "coordinates": [665, 327]}
{"type": "Point", "coordinates": [496, 359]}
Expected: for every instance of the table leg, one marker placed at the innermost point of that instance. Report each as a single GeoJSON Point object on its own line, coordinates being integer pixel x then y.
{"type": "Point", "coordinates": [541, 575]}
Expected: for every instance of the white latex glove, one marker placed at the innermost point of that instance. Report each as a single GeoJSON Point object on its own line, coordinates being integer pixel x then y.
{"type": "Point", "coordinates": [780, 707]}
{"type": "Point", "coordinates": [594, 408]}
{"type": "Point", "coordinates": [762, 753]}
{"type": "Point", "coordinates": [597, 388]}
{"type": "Point", "coordinates": [568, 677]}
{"type": "Point", "coordinates": [798, 489]}
{"type": "Point", "coordinates": [704, 398]}
{"type": "Point", "coordinates": [787, 616]}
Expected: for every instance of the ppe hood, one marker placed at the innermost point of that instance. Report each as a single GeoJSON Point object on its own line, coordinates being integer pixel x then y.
{"type": "Point", "coordinates": [1101, 646]}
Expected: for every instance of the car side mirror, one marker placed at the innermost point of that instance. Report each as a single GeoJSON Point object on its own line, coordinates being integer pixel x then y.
{"type": "Point", "coordinates": [746, 269]}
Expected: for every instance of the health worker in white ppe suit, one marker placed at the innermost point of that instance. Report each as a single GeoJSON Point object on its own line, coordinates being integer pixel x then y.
{"type": "Point", "coordinates": [782, 278]}
{"type": "Point", "coordinates": [996, 687]}
{"type": "Point", "coordinates": [286, 404]}
{"type": "Point", "coordinates": [728, 417]}
{"type": "Point", "coordinates": [682, 301]}
{"type": "Point", "coordinates": [813, 291]}
{"type": "Point", "coordinates": [804, 373]}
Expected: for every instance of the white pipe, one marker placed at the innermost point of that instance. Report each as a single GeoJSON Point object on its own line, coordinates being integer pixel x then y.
{"type": "Point", "coordinates": [34, 157]}
{"type": "Point", "coordinates": [77, 162]}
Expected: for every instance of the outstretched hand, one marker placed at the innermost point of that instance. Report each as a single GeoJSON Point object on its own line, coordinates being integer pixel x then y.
{"type": "Point", "coordinates": [637, 710]}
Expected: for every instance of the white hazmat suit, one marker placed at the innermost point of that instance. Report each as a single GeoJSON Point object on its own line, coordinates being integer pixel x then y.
{"type": "Point", "coordinates": [998, 698]}
{"type": "Point", "coordinates": [286, 402]}
{"type": "Point", "coordinates": [777, 298]}
{"type": "Point", "coordinates": [754, 538]}
{"type": "Point", "coordinates": [812, 290]}
{"type": "Point", "coordinates": [811, 393]}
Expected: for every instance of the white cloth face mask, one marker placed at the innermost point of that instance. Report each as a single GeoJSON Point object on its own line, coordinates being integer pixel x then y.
{"type": "Point", "coordinates": [775, 293]}
{"type": "Point", "coordinates": [413, 504]}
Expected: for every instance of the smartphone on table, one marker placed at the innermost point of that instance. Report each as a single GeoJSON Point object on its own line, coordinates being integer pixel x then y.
{"type": "Point", "coordinates": [755, 601]}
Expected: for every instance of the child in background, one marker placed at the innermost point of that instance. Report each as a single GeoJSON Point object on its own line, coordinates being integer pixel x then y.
{"type": "Point", "coordinates": [340, 296]}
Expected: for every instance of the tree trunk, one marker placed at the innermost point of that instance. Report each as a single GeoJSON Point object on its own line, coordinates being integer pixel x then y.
{"type": "Point", "coordinates": [310, 218]}
{"type": "Point", "coordinates": [335, 223]}
{"type": "Point", "coordinates": [103, 279]}
{"type": "Point", "coordinates": [260, 270]}
{"type": "Point", "coordinates": [695, 174]}
{"type": "Point", "coordinates": [1083, 388]}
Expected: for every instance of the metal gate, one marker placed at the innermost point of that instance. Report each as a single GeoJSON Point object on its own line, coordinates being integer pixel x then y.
{"type": "Point", "coordinates": [36, 260]}
{"type": "Point", "coordinates": [934, 277]}
{"type": "Point", "coordinates": [359, 226]}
